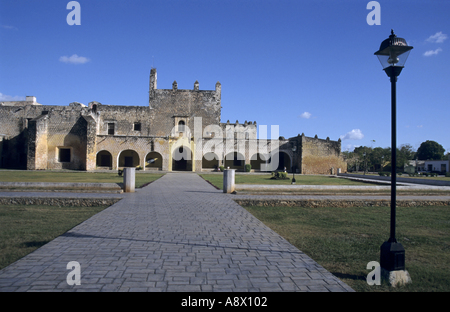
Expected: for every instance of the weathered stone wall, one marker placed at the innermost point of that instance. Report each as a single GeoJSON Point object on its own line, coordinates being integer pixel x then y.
{"type": "Point", "coordinates": [38, 136]}
{"type": "Point", "coordinates": [14, 121]}
{"type": "Point", "coordinates": [38, 143]}
{"type": "Point", "coordinates": [124, 119]}
{"type": "Point", "coordinates": [319, 156]}
{"type": "Point", "coordinates": [143, 145]}
{"type": "Point", "coordinates": [67, 129]}
{"type": "Point", "coordinates": [169, 106]}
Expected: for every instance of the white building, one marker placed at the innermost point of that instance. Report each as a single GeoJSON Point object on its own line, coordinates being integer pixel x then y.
{"type": "Point", "coordinates": [427, 166]}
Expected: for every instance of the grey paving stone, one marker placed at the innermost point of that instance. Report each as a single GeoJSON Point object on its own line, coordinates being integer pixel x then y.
{"type": "Point", "coordinates": [178, 234]}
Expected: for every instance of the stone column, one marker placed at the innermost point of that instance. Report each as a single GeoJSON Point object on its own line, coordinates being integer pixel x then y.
{"type": "Point", "coordinates": [129, 175]}
{"type": "Point", "coordinates": [228, 180]}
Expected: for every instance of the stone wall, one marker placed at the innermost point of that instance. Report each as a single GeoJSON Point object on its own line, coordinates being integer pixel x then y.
{"type": "Point", "coordinates": [14, 121]}
{"type": "Point", "coordinates": [96, 136]}
{"type": "Point", "coordinates": [170, 106]}
{"type": "Point", "coordinates": [319, 156]}
{"type": "Point", "coordinates": [38, 143]}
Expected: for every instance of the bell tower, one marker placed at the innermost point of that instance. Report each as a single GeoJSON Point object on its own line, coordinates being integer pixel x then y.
{"type": "Point", "coordinates": [152, 87]}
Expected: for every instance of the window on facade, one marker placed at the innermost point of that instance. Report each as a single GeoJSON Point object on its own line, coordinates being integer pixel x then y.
{"type": "Point", "coordinates": [137, 126]}
{"type": "Point", "coordinates": [64, 155]}
{"type": "Point", "coordinates": [181, 126]}
{"type": "Point", "coordinates": [111, 128]}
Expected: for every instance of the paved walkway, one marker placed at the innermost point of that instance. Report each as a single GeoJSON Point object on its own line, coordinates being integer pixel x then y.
{"type": "Point", "coordinates": [177, 234]}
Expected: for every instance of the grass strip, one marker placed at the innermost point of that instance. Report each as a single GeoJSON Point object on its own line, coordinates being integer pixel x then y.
{"type": "Point", "coordinates": [24, 228]}
{"type": "Point", "coordinates": [344, 240]}
{"type": "Point", "coordinates": [74, 177]}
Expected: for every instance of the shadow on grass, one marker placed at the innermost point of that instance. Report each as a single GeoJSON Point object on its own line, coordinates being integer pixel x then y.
{"type": "Point", "coordinates": [35, 243]}
{"type": "Point", "coordinates": [349, 276]}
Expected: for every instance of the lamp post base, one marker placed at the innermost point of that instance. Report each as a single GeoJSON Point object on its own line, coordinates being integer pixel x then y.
{"type": "Point", "coordinates": [392, 256]}
{"type": "Point", "coordinates": [396, 278]}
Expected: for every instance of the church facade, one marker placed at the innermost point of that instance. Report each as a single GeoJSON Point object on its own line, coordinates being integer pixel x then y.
{"type": "Point", "coordinates": [179, 130]}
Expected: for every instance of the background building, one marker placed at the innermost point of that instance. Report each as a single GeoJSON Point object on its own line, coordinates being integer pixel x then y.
{"type": "Point", "coordinates": [179, 130]}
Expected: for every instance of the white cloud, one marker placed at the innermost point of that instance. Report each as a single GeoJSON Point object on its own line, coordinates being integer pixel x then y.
{"type": "Point", "coordinates": [355, 134]}
{"type": "Point", "coordinates": [7, 98]}
{"type": "Point", "coordinates": [439, 37]}
{"type": "Point", "coordinates": [305, 115]}
{"type": "Point", "coordinates": [8, 27]}
{"type": "Point", "coordinates": [350, 147]}
{"type": "Point", "coordinates": [432, 52]}
{"type": "Point", "coordinates": [74, 59]}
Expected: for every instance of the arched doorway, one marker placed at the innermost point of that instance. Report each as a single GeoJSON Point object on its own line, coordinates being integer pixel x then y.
{"type": "Point", "coordinates": [235, 161]}
{"type": "Point", "coordinates": [128, 158]}
{"type": "Point", "coordinates": [257, 160]}
{"type": "Point", "coordinates": [153, 161]}
{"type": "Point", "coordinates": [182, 159]}
{"type": "Point", "coordinates": [104, 159]}
{"type": "Point", "coordinates": [210, 161]}
{"type": "Point", "coordinates": [284, 160]}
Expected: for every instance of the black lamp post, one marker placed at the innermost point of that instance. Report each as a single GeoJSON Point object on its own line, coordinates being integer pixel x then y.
{"type": "Point", "coordinates": [365, 163]}
{"type": "Point", "coordinates": [392, 54]}
{"type": "Point", "coordinates": [294, 148]}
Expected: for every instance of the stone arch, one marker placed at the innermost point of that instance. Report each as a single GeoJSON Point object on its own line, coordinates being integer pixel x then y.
{"type": "Point", "coordinates": [256, 160]}
{"type": "Point", "coordinates": [154, 161]}
{"type": "Point", "coordinates": [210, 161]}
{"type": "Point", "coordinates": [235, 160]}
{"type": "Point", "coordinates": [128, 158]}
{"type": "Point", "coordinates": [182, 158]}
{"type": "Point", "coordinates": [104, 159]}
{"type": "Point", "coordinates": [284, 160]}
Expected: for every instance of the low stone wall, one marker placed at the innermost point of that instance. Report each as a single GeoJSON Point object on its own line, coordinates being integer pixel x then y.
{"type": "Point", "coordinates": [399, 179]}
{"type": "Point", "coordinates": [313, 203]}
{"type": "Point", "coordinates": [55, 201]}
{"type": "Point", "coordinates": [57, 186]}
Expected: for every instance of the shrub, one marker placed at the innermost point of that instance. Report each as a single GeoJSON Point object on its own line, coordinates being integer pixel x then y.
{"type": "Point", "coordinates": [221, 168]}
{"type": "Point", "coordinates": [248, 168]}
{"type": "Point", "coordinates": [447, 174]}
{"type": "Point", "coordinates": [279, 175]}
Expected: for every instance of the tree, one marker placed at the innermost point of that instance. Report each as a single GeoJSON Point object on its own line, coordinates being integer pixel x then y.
{"type": "Point", "coordinates": [404, 154]}
{"type": "Point", "coordinates": [379, 157]}
{"type": "Point", "coordinates": [430, 150]}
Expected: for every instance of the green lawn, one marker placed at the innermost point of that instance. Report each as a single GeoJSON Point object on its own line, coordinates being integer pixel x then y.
{"type": "Point", "coordinates": [405, 175]}
{"type": "Point", "coordinates": [264, 179]}
{"type": "Point", "coordinates": [73, 176]}
{"type": "Point", "coordinates": [26, 228]}
{"type": "Point", "coordinates": [344, 240]}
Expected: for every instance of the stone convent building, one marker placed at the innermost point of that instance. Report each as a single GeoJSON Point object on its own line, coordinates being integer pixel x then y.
{"type": "Point", "coordinates": [179, 130]}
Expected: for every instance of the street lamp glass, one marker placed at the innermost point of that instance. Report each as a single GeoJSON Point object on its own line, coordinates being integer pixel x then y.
{"type": "Point", "coordinates": [393, 51]}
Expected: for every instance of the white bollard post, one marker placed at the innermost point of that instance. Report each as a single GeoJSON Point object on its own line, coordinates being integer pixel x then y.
{"type": "Point", "coordinates": [228, 181]}
{"type": "Point", "coordinates": [129, 179]}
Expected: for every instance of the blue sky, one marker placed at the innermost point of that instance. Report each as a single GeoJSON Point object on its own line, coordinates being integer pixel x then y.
{"type": "Point", "coordinates": [307, 66]}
